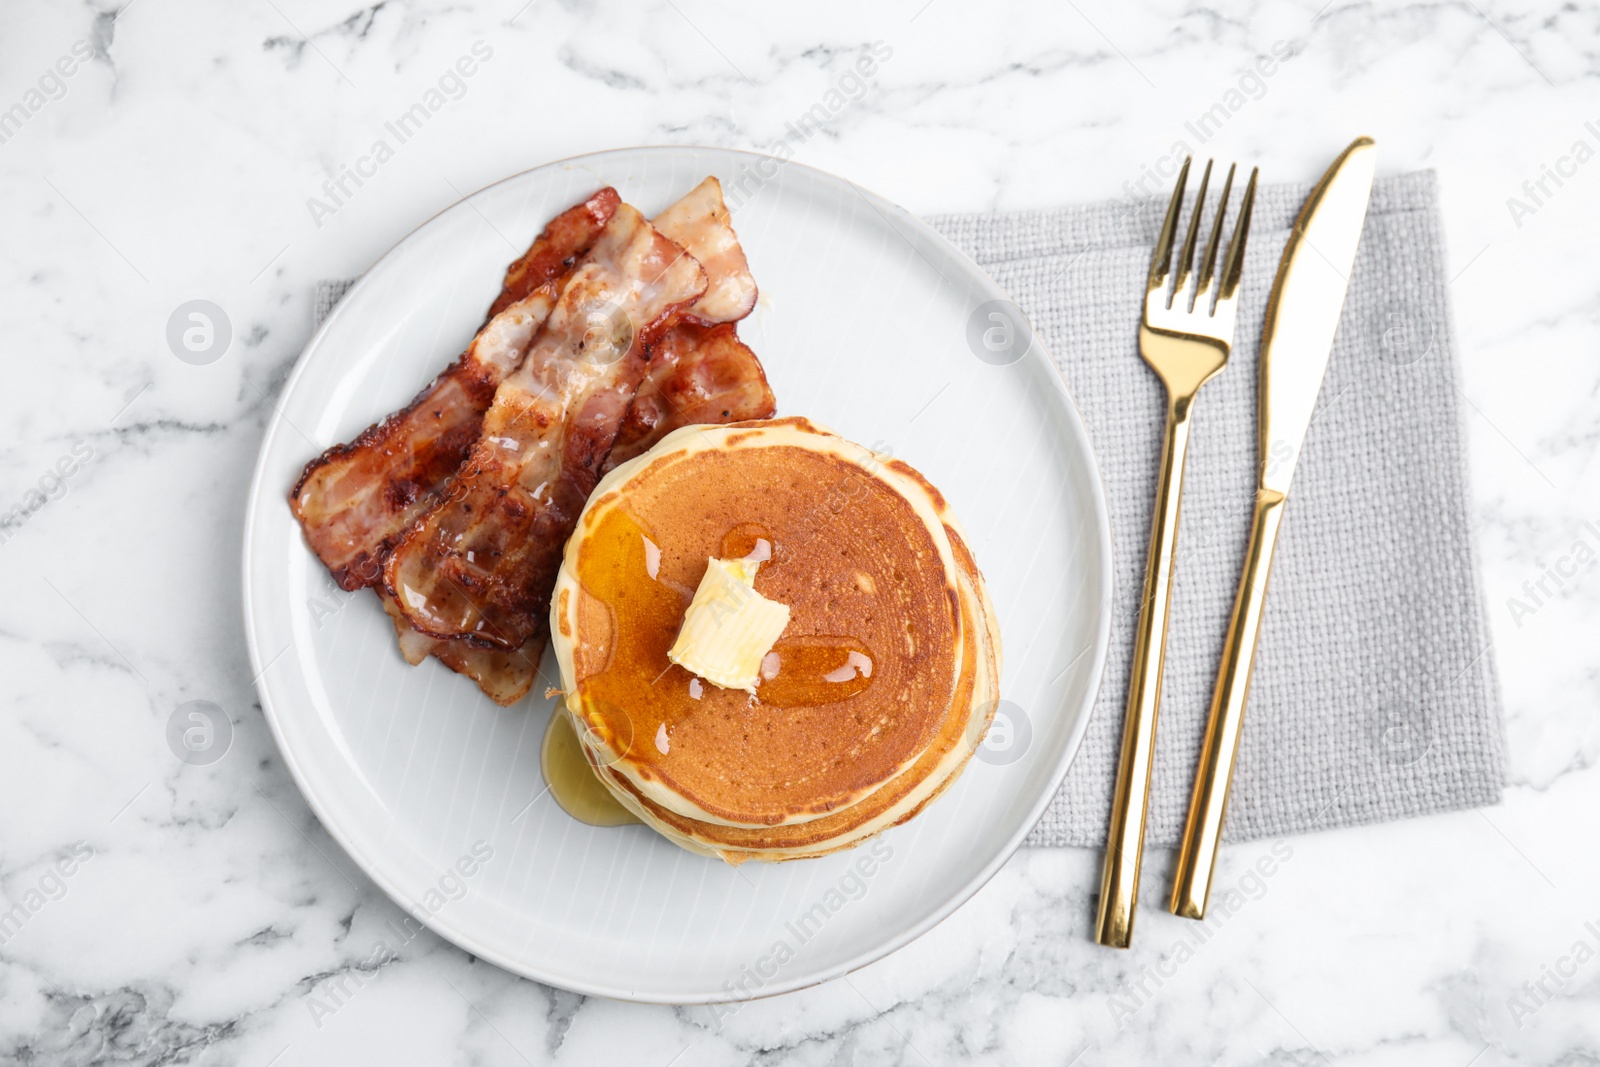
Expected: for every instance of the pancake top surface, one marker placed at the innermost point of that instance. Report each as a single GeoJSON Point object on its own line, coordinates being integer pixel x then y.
{"type": "Point", "coordinates": [896, 801]}
{"type": "Point", "coordinates": [869, 589]}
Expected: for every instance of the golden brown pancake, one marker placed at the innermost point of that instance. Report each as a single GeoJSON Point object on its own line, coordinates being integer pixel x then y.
{"type": "Point", "coordinates": [907, 795]}
{"type": "Point", "coordinates": [876, 576]}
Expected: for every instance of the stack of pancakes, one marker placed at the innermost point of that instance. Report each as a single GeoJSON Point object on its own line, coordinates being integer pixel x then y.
{"type": "Point", "coordinates": [872, 700]}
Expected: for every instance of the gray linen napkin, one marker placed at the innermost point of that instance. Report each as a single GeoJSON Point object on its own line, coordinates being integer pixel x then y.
{"type": "Point", "coordinates": [1374, 695]}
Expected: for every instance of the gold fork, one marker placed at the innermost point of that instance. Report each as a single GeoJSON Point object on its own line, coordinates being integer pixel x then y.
{"type": "Point", "coordinates": [1185, 337]}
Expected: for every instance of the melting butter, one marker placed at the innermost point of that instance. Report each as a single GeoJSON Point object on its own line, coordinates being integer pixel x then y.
{"type": "Point", "coordinates": [729, 627]}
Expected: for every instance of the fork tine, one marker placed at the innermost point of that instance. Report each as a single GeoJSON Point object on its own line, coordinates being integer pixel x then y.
{"type": "Point", "coordinates": [1186, 261]}
{"type": "Point", "coordinates": [1229, 288]}
{"type": "Point", "coordinates": [1161, 259]}
{"type": "Point", "coordinates": [1208, 268]}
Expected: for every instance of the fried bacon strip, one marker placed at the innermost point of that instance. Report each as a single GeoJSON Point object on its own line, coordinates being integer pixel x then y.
{"type": "Point", "coordinates": [504, 677]}
{"type": "Point", "coordinates": [481, 562]}
{"type": "Point", "coordinates": [701, 224]}
{"type": "Point", "coordinates": [355, 500]}
{"type": "Point", "coordinates": [698, 375]}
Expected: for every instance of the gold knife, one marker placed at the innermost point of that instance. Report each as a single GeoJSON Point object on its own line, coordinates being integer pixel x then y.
{"type": "Point", "coordinates": [1302, 318]}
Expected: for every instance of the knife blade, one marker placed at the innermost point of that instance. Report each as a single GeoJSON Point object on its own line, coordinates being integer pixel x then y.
{"type": "Point", "coordinates": [1296, 341]}
{"type": "Point", "coordinates": [1303, 310]}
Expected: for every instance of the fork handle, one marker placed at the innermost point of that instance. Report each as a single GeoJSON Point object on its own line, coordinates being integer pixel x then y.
{"type": "Point", "coordinates": [1119, 877]}
{"type": "Point", "coordinates": [1208, 806]}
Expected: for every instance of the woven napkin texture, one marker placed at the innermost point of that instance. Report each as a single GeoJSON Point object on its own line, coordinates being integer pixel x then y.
{"type": "Point", "coordinates": [1374, 695]}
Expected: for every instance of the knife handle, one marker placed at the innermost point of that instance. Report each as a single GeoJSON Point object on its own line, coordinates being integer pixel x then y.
{"type": "Point", "coordinates": [1119, 876]}
{"type": "Point", "coordinates": [1208, 805]}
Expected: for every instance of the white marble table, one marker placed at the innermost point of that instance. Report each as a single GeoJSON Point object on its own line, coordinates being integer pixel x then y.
{"type": "Point", "coordinates": [206, 910]}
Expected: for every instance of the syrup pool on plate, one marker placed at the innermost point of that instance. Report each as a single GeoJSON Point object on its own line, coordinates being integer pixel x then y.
{"type": "Point", "coordinates": [572, 781]}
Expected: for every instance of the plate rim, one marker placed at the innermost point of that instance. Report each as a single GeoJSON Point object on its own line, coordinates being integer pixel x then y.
{"type": "Point", "coordinates": [952, 901]}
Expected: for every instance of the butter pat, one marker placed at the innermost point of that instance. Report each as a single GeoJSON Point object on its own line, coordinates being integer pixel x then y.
{"type": "Point", "coordinates": [729, 627]}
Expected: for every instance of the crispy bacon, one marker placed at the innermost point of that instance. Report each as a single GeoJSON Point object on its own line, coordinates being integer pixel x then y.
{"type": "Point", "coordinates": [700, 223]}
{"type": "Point", "coordinates": [698, 375]}
{"type": "Point", "coordinates": [568, 236]}
{"type": "Point", "coordinates": [355, 500]}
{"type": "Point", "coordinates": [505, 677]}
{"type": "Point", "coordinates": [481, 562]}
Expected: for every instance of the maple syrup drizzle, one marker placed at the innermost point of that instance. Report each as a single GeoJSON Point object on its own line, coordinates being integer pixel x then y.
{"type": "Point", "coordinates": [750, 540]}
{"type": "Point", "coordinates": [646, 613]}
{"type": "Point", "coordinates": [814, 670]}
{"type": "Point", "coordinates": [572, 781]}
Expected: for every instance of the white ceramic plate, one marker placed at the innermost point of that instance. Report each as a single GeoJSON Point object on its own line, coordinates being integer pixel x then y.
{"type": "Point", "coordinates": [863, 327]}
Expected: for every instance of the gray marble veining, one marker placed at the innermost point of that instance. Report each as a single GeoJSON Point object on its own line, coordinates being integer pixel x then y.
{"type": "Point", "coordinates": [164, 151]}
